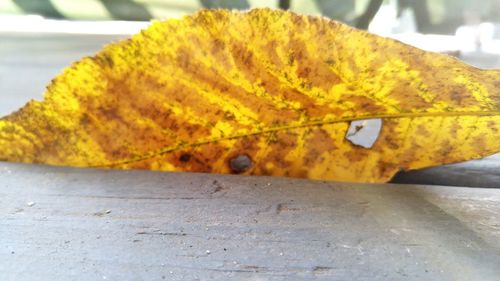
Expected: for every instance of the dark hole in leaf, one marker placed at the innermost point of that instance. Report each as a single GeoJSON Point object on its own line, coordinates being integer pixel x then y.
{"type": "Point", "coordinates": [240, 163]}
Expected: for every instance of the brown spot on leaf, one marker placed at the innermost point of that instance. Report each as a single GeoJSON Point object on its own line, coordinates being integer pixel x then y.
{"type": "Point", "coordinates": [184, 157]}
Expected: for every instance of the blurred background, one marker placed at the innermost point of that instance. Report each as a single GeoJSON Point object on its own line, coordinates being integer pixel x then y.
{"type": "Point", "coordinates": [38, 38]}
{"type": "Point", "coordinates": [436, 16]}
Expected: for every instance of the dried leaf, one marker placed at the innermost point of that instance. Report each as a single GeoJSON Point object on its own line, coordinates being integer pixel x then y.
{"type": "Point", "coordinates": [262, 92]}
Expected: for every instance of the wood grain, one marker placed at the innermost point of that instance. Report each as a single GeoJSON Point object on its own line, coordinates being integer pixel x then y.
{"type": "Point", "coordinates": [137, 225]}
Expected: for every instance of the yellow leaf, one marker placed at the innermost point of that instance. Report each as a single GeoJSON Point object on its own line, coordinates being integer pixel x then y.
{"type": "Point", "coordinates": [261, 92]}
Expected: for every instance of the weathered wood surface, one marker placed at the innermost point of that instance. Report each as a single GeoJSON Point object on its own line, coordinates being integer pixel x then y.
{"type": "Point", "coordinates": [475, 173]}
{"type": "Point", "coordinates": [83, 224]}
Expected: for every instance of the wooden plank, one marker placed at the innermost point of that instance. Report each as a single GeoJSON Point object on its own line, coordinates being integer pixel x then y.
{"type": "Point", "coordinates": [84, 224]}
{"type": "Point", "coordinates": [475, 173]}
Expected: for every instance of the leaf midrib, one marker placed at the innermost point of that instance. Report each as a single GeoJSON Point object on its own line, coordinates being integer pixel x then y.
{"type": "Point", "coordinates": [315, 123]}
